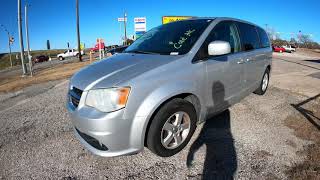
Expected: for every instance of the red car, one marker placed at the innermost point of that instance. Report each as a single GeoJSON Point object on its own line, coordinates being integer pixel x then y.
{"type": "Point", "coordinates": [278, 49]}
{"type": "Point", "coordinates": [96, 47]}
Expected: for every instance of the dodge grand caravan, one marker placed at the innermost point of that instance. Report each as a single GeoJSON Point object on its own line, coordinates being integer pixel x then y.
{"type": "Point", "coordinates": [160, 88]}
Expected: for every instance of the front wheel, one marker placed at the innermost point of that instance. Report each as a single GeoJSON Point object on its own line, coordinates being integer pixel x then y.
{"type": "Point", "coordinates": [171, 128]}
{"type": "Point", "coordinates": [264, 83]}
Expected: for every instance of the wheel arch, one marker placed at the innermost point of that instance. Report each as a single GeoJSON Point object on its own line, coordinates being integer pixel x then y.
{"type": "Point", "coordinates": [192, 98]}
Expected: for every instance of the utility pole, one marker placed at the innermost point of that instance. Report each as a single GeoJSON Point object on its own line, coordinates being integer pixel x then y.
{"type": "Point", "coordinates": [24, 68]}
{"type": "Point", "coordinates": [266, 27]}
{"type": "Point", "coordinates": [125, 28]}
{"type": "Point", "coordinates": [9, 43]}
{"type": "Point", "coordinates": [78, 30]}
{"type": "Point", "coordinates": [120, 34]}
{"type": "Point", "coordinates": [27, 38]}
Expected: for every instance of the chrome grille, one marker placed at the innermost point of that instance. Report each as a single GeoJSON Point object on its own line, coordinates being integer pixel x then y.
{"type": "Point", "coordinates": [75, 95]}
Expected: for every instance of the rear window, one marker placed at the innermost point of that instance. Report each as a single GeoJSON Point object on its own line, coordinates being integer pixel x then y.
{"type": "Point", "coordinates": [264, 40]}
{"type": "Point", "coordinates": [249, 37]}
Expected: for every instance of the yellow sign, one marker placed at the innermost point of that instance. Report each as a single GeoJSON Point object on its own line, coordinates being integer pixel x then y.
{"type": "Point", "coordinates": [81, 46]}
{"type": "Point", "coordinates": [168, 19]}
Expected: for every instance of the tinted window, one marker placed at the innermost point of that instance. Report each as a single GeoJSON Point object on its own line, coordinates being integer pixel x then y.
{"type": "Point", "coordinates": [224, 31]}
{"type": "Point", "coordinates": [177, 38]}
{"type": "Point", "coordinates": [263, 38]}
{"type": "Point", "coordinates": [249, 37]}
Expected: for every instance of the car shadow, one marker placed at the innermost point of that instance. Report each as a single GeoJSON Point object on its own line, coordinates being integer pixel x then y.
{"type": "Point", "coordinates": [220, 159]}
{"type": "Point", "coordinates": [309, 115]}
{"type": "Point", "coordinates": [313, 60]}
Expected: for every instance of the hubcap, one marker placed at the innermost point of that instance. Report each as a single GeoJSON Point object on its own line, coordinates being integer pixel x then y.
{"type": "Point", "coordinates": [265, 82]}
{"type": "Point", "coordinates": [175, 130]}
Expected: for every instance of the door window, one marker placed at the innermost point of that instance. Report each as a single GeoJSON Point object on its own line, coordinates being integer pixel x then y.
{"type": "Point", "coordinates": [224, 31]}
{"type": "Point", "coordinates": [249, 37]}
{"type": "Point", "coordinates": [263, 38]}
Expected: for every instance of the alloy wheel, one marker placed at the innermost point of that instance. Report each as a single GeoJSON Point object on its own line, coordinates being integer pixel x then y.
{"type": "Point", "coordinates": [175, 130]}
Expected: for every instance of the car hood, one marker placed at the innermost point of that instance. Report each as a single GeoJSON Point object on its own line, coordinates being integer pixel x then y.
{"type": "Point", "coordinates": [116, 69]}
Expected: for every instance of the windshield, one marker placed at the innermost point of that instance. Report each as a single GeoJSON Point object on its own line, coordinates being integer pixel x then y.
{"type": "Point", "coordinates": [170, 39]}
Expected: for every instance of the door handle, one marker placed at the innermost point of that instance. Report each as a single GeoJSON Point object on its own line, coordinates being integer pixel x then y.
{"type": "Point", "coordinates": [241, 61]}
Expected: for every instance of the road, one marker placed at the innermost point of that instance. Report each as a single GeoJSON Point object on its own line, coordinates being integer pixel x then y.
{"type": "Point", "coordinates": [252, 140]}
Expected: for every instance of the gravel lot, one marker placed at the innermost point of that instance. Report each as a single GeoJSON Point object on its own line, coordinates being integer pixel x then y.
{"type": "Point", "coordinates": [249, 141]}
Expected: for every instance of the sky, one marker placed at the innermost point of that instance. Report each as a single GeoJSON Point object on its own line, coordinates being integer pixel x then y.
{"type": "Point", "coordinates": [55, 20]}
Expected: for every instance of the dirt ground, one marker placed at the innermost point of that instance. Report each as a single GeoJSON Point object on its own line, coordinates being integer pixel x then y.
{"type": "Point", "coordinates": [306, 125]}
{"type": "Point", "coordinates": [306, 121]}
{"type": "Point", "coordinates": [275, 136]}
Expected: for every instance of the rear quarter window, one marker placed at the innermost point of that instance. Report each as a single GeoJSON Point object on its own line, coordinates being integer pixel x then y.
{"type": "Point", "coordinates": [249, 37]}
{"type": "Point", "coordinates": [264, 40]}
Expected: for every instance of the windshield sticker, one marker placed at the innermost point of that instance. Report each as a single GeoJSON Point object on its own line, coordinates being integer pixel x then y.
{"type": "Point", "coordinates": [174, 53]}
{"type": "Point", "coordinates": [182, 39]}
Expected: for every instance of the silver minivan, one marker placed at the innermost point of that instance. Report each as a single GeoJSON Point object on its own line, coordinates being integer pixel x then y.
{"type": "Point", "coordinates": [168, 81]}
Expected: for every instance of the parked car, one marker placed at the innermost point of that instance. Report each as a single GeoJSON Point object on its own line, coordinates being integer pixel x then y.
{"type": "Point", "coordinates": [278, 49]}
{"type": "Point", "coordinates": [96, 47]}
{"type": "Point", "coordinates": [41, 58]}
{"type": "Point", "coordinates": [116, 50]}
{"type": "Point", "coordinates": [168, 81]}
{"type": "Point", "coordinates": [289, 48]}
{"type": "Point", "coordinates": [68, 53]}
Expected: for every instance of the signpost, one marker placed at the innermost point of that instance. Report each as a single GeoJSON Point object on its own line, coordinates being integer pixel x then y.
{"type": "Point", "coordinates": [140, 26]}
{"type": "Point", "coordinates": [48, 48]}
{"type": "Point", "coordinates": [168, 19]}
{"type": "Point", "coordinates": [124, 20]}
{"type": "Point", "coordinates": [10, 42]}
{"type": "Point", "coordinates": [121, 19]}
{"type": "Point", "coordinates": [99, 41]}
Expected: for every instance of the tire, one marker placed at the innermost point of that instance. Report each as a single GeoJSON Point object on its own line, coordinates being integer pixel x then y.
{"type": "Point", "coordinates": [280, 51]}
{"type": "Point", "coordinates": [60, 58]}
{"type": "Point", "coordinates": [168, 113]}
{"type": "Point", "coordinates": [263, 88]}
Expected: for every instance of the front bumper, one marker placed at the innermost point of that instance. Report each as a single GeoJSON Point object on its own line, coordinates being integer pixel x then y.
{"type": "Point", "coordinates": [104, 134]}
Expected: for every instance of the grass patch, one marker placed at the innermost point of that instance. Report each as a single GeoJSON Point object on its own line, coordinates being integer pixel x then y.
{"type": "Point", "coordinates": [5, 58]}
{"type": "Point", "coordinates": [60, 71]}
{"type": "Point", "coordinates": [306, 126]}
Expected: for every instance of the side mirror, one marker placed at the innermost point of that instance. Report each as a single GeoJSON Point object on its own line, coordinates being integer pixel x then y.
{"type": "Point", "coordinates": [216, 48]}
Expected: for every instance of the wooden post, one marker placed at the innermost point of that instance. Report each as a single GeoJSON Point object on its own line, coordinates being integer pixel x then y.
{"type": "Point", "coordinates": [90, 54]}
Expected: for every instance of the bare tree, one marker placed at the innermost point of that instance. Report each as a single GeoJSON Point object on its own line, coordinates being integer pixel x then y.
{"type": "Point", "coordinates": [293, 41]}
{"type": "Point", "coordinates": [305, 39]}
{"type": "Point", "coordinates": [273, 34]}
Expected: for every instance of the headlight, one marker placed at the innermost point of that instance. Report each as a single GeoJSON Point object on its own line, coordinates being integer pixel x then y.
{"type": "Point", "coordinates": [107, 100]}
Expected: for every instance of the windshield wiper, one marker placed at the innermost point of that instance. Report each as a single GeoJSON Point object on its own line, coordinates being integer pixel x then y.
{"type": "Point", "coordinates": [141, 52]}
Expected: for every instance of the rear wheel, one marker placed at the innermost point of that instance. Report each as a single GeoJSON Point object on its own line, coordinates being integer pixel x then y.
{"type": "Point", "coordinates": [264, 83]}
{"type": "Point", "coordinates": [60, 58]}
{"type": "Point", "coordinates": [171, 128]}
{"type": "Point", "coordinates": [280, 51]}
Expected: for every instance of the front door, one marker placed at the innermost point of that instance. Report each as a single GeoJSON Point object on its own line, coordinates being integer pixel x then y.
{"type": "Point", "coordinates": [224, 74]}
